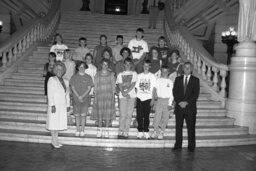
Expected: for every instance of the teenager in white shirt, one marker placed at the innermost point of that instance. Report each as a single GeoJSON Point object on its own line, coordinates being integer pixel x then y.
{"type": "Point", "coordinates": [139, 49]}
{"type": "Point", "coordinates": [126, 81]}
{"type": "Point", "coordinates": [58, 47]}
{"type": "Point", "coordinates": [91, 70]}
{"type": "Point", "coordinates": [145, 87]}
{"type": "Point", "coordinates": [164, 103]}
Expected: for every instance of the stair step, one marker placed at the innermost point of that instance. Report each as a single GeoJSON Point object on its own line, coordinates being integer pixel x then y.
{"type": "Point", "coordinates": [26, 77]}
{"type": "Point", "coordinates": [17, 80]}
{"type": "Point", "coordinates": [113, 131]}
{"type": "Point", "coordinates": [41, 115]}
{"type": "Point", "coordinates": [69, 139]}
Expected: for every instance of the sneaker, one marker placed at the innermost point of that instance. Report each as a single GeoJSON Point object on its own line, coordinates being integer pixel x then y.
{"type": "Point", "coordinates": [146, 135]}
{"type": "Point", "coordinates": [106, 134]}
{"type": "Point", "coordinates": [77, 134]}
{"type": "Point", "coordinates": [125, 135]}
{"type": "Point", "coordinates": [161, 135]}
{"type": "Point", "coordinates": [82, 134]}
{"type": "Point", "coordinates": [99, 132]}
{"type": "Point", "coordinates": [154, 135]}
{"type": "Point", "coordinates": [140, 135]}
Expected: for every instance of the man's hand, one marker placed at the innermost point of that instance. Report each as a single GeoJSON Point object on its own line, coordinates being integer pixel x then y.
{"type": "Point", "coordinates": [53, 109]}
{"type": "Point", "coordinates": [169, 107]}
{"type": "Point", "coordinates": [68, 109]}
{"type": "Point", "coordinates": [183, 104]}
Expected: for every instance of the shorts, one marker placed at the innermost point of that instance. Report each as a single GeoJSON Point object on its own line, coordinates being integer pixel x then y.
{"type": "Point", "coordinates": [80, 109]}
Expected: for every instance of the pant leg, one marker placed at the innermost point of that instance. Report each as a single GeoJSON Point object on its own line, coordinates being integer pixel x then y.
{"type": "Point", "coordinates": [122, 115]}
{"type": "Point", "coordinates": [139, 115]}
{"type": "Point", "coordinates": [146, 112]}
{"type": "Point", "coordinates": [190, 119]}
{"type": "Point", "coordinates": [150, 17]}
{"type": "Point", "coordinates": [158, 115]}
{"type": "Point", "coordinates": [155, 14]}
{"type": "Point", "coordinates": [129, 112]}
{"type": "Point", "coordinates": [179, 119]}
{"type": "Point", "coordinates": [165, 115]}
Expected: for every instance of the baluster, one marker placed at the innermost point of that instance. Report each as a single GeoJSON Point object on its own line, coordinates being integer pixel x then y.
{"type": "Point", "coordinates": [195, 60]}
{"type": "Point", "coordinates": [199, 65]}
{"type": "Point", "coordinates": [24, 44]}
{"type": "Point", "coordinates": [15, 52]}
{"type": "Point", "coordinates": [223, 83]}
{"type": "Point", "coordinates": [28, 40]}
{"type": "Point", "coordinates": [209, 75]}
{"type": "Point", "coordinates": [20, 48]}
{"type": "Point", "coordinates": [215, 79]}
{"type": "Point", "coordinates": [32, 37]}
{"type": "Point", "coordinates": [9, 57]}
{"type": "Point", "coordinates": [4, 60]}
{"type": "Point", "coordinates": [203, 70]}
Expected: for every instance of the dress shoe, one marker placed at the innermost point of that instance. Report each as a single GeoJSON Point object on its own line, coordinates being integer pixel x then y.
{"type": "Point", "coordinates": [176, 149]}
{"type": "Point", "coordinates": [55, 146]}
{"type": "Point", "coordinates": [191, 150]}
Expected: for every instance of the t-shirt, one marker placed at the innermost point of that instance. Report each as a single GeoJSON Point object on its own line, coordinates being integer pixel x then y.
{"type": "Point", "coordinates": [116, 52]}
{"type": "Point", "coordinates": [80, 53]}
{"type": "Point", "coordinates": [145, 86]}
{"type": "Point", "coordinates": [70, 69]}
{"type": "Point", "coordinates": [126, 78]}
{"type": "Point", "coordinates": [59, 51]}
{"type": "Point", "coordinates": [164, 88]}
{"type": "Point", "coordinates": [91, 70]}
{"type": "Point", "coordinates": [98, 54]}
{"type": "Point", "coordinates": [165, 53]}
{"type": "Point", "coordinates": [81, 84]}
{"type": "Point", "coordinates": [175, 67]}
{"type": "Point", "coordinates": [138, 47]}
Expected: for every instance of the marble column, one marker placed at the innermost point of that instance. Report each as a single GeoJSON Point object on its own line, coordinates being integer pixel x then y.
{"type": "Point", "coordinates": [241, 103]}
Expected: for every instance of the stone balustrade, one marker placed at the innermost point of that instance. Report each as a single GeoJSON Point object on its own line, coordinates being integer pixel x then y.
{"type": "Point", "coordinates": [213, 75]}
{"type": "Point", "coordinates": [38, 30]}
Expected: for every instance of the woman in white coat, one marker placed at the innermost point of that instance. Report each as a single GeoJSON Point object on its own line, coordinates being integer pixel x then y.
{"type": "Point", "coordinates": [58, 103]}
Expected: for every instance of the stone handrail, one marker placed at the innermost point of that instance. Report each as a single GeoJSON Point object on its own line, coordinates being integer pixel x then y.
{"type": "Point", "coordinates": [176, 4]}
{"type": "Point", "coordinates": [38, 30]}
{"type": "Point", "coordinates": [212, 74]}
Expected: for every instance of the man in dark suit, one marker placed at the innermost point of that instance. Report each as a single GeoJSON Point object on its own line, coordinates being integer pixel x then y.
{"type": "Point", "coordinates": [186, 91]}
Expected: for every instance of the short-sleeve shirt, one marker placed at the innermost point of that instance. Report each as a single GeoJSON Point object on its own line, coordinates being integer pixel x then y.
{"type": "Point", "coordinates": [126, 78]}
{"type": "Point", "coordinates": [59, 51]}
{"type": "Point", "coordinates": [138, 47]}
{"type": "Point", "coordinates": [145, 86]}
{"type": "Point", "coordinates": [80, 53]}
{"type": "Point", "coordinates": [81, 84]}
{"type": "Point", "coordinates": [165, 54]}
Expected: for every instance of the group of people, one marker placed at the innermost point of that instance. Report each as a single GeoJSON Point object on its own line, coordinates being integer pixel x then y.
{"type": "Point", "coordinates": [148, 79]}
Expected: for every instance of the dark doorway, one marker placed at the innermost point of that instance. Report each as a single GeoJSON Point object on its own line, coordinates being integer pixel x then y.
{"type": "Point", "coordinates": [118, 7]}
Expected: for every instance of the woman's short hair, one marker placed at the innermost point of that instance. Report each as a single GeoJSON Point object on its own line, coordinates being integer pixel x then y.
{"type": "Point", "coordinates": [107, 50]}
{"type": "Point", "coordinates": [81, 63]}
{"type": "Point", "coordinates": [125, 49]}
{"type": "Point", "coordinates": [175, 51]}
{"type": "Point", "coordinates": [88, 54]}
{"type": "Point", "coordinates": [62, 65]}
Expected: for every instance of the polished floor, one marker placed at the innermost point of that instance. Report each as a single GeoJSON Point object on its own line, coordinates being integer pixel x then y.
{"type": "Point", "coordinates": [41, 157]}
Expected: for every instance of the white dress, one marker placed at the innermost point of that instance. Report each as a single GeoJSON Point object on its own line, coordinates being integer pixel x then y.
{"type": "Point", "coordinates": [60, 99]}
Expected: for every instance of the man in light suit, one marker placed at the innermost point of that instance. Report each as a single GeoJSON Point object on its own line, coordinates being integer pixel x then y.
{"type": "Point", "coordinates": [186, 91]}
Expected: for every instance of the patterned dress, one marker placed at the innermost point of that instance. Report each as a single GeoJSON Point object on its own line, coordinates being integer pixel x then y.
{"type": "Point", "coordinates": [104, 101]}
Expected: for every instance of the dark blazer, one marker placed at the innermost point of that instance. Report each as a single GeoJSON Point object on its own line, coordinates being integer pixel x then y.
{"type": "Point", "coordinates": [191, 95]}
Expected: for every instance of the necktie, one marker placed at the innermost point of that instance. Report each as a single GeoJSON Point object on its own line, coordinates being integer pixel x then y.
{"type": "Point", "coordinates": [185, 84]}
{"type": "Point", "coordinates": [154, 3]}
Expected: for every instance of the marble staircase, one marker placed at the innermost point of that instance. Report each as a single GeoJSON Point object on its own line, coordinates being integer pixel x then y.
{"type": "Point", "coordinates": [23, 104]}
